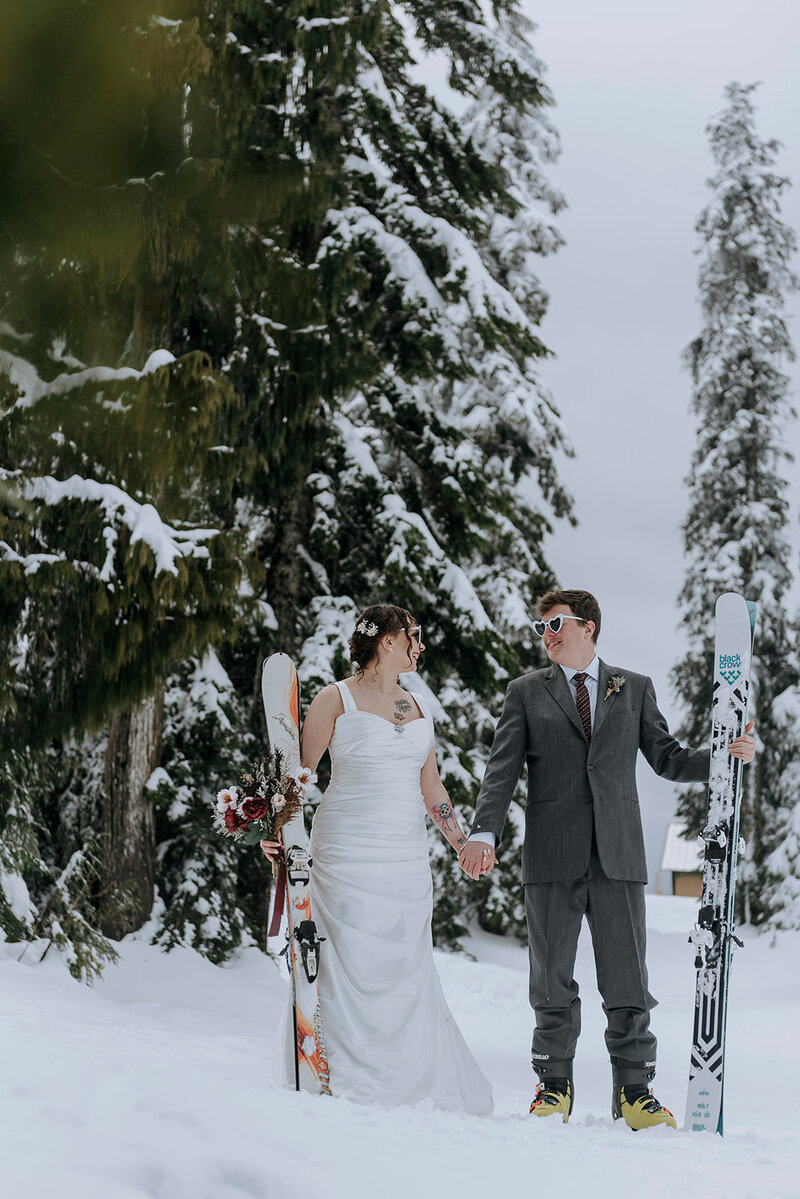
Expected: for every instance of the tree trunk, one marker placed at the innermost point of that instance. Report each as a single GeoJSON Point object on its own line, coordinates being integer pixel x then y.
{"type": "Point", "coordinates": [132, 754]}
{"type": "Point", "coordinates": [286, 571]}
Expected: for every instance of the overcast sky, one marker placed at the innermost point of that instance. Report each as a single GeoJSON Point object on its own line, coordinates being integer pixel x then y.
{"type": "Point", "coordinates": [634, 85]}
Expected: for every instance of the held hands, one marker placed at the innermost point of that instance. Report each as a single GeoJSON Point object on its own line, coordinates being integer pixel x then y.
{"type": "Point", "coordinates": [744, 747]}
{"type": "Point", "coordinates": [476, 858]}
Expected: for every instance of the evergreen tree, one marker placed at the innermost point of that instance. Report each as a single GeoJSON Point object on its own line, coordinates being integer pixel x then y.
{"type": "Point", "coordinates": [423, 479]}
{"type": "Point", "coordinates": [49, 860]}
{"type": "Point", "coordinates": [122, 442]}
{"type": "Point", "coordinates": [282, 320]}
{"type": "Point", "coordinates": [354, 265]}
{"type": "Point", "coordinates": [113, 570]}
{"type": "Point", "coordinates": [735, 528]}
{"type": "Point", "coordinates": [432, 416]}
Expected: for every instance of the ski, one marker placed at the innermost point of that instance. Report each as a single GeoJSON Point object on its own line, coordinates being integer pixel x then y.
{"type": "Point", "coordinates": [281, 695]}
{"type": "Point", "coordinates": [713, 934]}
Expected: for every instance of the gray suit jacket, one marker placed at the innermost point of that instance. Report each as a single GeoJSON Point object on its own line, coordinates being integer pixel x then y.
{"type": "Point", "coordinates": [575, 785]}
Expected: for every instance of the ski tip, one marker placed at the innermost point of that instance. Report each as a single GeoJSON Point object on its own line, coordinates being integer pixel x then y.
{"type": "Point", "coordinates": [277, 664]}
{"type": "Point", "coordinates": [732, 606]}
{"type": "Point", "coordinates": [752, 608]}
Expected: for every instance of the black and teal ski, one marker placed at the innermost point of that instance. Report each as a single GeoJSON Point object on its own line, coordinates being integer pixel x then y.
{"type": "Point", "coordinates": [713, 934]}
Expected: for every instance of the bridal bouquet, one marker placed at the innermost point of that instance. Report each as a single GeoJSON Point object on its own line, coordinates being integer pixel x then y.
{"type": "Point", "coordinates": [267, 799]}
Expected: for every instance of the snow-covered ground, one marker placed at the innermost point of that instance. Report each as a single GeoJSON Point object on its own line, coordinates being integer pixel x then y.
{"type": "Point", "coordinates": [157, 1083]}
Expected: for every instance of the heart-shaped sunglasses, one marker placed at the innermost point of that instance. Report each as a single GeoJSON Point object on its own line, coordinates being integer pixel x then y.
{"type": "Point", "coordinates": [553, 624]}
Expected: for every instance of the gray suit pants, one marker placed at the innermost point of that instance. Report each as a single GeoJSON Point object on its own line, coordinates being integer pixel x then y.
{"type": "Point", "coordinates": [616, 915]}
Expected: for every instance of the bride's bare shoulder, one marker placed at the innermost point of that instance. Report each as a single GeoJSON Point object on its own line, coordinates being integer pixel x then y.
{"type": "Point", "coordinates": [327, 702]}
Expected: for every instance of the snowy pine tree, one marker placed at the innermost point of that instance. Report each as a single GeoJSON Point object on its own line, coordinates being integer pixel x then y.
{"type": "Point", "coordinates": [417, 495]}
{"type": "Point", "coordinates": [735, 528]}
{"type": "Point", "coordinates": [404, 208]}
{"type": "Point", "coordinates": [358, 298]}
{"type": "Point", "coordinates": [112, 566]}
{"type": "Point", "coordinates": [416, 452]}
{"type": "Point", "coordinates": [281, 324]}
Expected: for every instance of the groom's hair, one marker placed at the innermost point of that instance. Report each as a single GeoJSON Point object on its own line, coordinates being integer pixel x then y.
{"type": "Point", "coordinates": [581, 603]}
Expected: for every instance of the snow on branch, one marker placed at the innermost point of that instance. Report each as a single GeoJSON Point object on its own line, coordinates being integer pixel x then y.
{"type": "Point", "coordinates": [166, 544]}
{"type": "Point", "coordinates": [452, 579]}
{"type": "Point", "coordinates": [402, 218]}
{"type": "Point", "coordinates": [356, 446]}
{"type": "Point", "coordinates": [24, 376]}
{"type": "Point", "coordinates": [332, 621]}
{"type": "Point", "coordinates": [355, 223]}
{"type": "Point", "coordinates": [210, 689]}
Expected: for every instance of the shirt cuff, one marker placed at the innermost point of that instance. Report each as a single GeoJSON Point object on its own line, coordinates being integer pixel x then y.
{"type": "Point", "coordinates": [486, 838]}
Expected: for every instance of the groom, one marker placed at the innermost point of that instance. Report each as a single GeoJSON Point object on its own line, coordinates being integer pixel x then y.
{"type": "Point", "coordinates": [579, 724]}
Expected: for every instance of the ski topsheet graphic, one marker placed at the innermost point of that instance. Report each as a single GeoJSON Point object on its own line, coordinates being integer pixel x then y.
{"type": "Point", "coordinates": [713, 934]}
{"type": "Point", "coordinates": [280, 691]}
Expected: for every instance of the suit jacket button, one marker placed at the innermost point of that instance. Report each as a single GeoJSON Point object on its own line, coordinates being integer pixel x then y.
{"type": "Point", "coordinates": [588, 799]}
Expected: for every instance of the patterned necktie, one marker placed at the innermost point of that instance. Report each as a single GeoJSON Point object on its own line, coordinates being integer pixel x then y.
{"type": "Point", "coordinates": [584, 703]}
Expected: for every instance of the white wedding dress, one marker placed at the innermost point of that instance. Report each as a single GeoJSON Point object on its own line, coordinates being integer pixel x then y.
{"type": "Point", "coordinates": [390, 1036]}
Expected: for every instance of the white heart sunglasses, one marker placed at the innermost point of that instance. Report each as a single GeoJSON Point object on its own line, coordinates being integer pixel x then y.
{"type": "Point", "coordinates": [553, 624]}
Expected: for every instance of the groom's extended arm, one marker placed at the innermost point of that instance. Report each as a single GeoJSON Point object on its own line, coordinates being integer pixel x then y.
{"type": "Point", "coordinates": [664, 752]}
{"type": "Point", "coordinates": [504, 766]}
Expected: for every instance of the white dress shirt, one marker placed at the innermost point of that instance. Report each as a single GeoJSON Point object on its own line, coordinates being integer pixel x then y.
{"type": "Point", "coordinates": [592, 671]}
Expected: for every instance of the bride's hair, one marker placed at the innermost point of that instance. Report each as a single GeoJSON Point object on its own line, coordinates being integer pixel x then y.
{"type": "Point", "coordinates": [373, 623]}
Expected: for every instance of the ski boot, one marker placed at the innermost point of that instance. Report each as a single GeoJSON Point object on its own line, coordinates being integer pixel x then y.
{"type": "Point", "coordinates": [639, 1108]}
{"type": "Point", "coordinates": [554, 1096]}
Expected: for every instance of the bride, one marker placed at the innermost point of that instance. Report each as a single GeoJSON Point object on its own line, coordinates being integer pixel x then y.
{"type": "Point", "coordinates": [390, 1036]}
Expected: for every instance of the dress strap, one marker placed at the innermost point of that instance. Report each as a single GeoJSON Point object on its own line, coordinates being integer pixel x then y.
{"type": "Point", "coordinates": [417, 700]}
{"type": "Point", "coordinates": [347, 697]}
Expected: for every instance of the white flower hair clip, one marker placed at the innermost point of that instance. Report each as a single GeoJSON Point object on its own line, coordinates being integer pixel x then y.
{"type": "Point", "coordinates": [369, 630]}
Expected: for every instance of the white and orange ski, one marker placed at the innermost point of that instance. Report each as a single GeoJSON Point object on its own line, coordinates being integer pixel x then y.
{"type": "Point", "coordinates": [281, 695]}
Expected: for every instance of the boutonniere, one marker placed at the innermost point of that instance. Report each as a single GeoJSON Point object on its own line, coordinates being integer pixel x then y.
{"type": "Point", "coordinates": [615, 683]}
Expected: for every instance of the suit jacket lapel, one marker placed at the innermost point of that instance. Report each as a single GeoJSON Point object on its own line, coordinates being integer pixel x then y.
{"type": "Point", "coordinates": [603, 704]}
{"type": "Point", "coordinates": [557, 685]}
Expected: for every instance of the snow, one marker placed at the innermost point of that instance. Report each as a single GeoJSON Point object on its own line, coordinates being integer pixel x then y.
{"type": "Point", "coordinates": [167, 544]}
{"type": "Point", "coordinates": [32, 387]}
{"type": "Point", "coordinates": [13, 887]}
{"type": "Point", "coordinates": [356, 445]}
{"type": "Point", "coordinates": [333, 618]}
{"type": "Point", "coordinates": [158, 778]}
{"type": "Point", "coordinates": [481, 292]}
{"type": "Point", "coordinates": [405, 266]}
{"type": "Point", "coordinates": [157, 359]}
{"type": "Point", "coordinates": [155, 1084]}
{"type": "Point", "coordinates": [470, 610]}
{"type": "Point", "coordinates": [320, 22]}
{"type": "Point", "coordinates": [415, 683]}
{"type": "Point", "coordinates": [209, 687]}
{"type": "Point", "coordinates": [7, 330]}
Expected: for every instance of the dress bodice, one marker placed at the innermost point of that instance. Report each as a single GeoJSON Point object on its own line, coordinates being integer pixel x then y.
{"type": "Point", "coordinates": [375, 771]}
{"type": "Point", "coordinates": [363, 741]}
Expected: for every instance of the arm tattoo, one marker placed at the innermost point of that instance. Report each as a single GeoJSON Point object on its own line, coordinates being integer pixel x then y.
{"type": "Point", "coordinates": [443, 814]}
{"type": "Point", "coordinates": [401, 707]}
